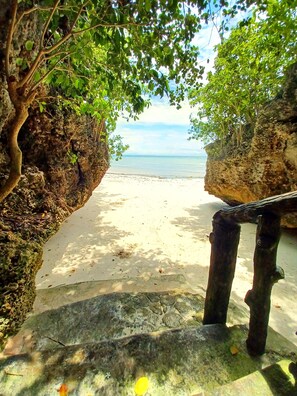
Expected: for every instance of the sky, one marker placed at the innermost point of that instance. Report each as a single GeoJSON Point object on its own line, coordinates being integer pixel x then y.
{"type": "Point", "coordinates": [162, 129]}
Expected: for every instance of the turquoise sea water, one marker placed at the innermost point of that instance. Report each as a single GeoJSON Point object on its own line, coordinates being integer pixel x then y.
{"type": "Point", "coordinates": [160, 166]}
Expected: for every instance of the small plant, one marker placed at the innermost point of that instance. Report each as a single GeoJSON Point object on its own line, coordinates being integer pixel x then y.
{"type": "Point", "coordinates": [73, 158]}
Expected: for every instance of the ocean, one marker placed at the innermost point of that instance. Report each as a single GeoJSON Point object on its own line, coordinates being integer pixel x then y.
{"type": "Point", "coordinates": [160, 166]}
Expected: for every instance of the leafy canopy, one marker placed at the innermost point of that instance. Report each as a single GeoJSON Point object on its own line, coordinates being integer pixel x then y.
{"type": "Point", "coordinates": [105, 56]}
{"type": "Point", "coordinates": [102, 56]}
{"type": "Point", "coordinates": [248, 72]}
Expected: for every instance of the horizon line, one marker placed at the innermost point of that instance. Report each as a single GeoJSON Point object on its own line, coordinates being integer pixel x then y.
{"type": "Point", "coordinates": [164, 155]}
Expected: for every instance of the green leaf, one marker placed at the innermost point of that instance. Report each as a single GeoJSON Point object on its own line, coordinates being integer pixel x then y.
{"type": "Point", "coordinates": [147, 5]}
{"type": "Point", "coordinates": [76, 83]}
{"type": "Point", "coordinates": [60, 79]}
{"type": "Point", "coordinates": [29, 45]}
{"type": "Point", "coordinates": [19, 61]}
{"type": "Point", "coordinates": [151, 85]}
{"type": "Point", "coordinates": [36, 76]}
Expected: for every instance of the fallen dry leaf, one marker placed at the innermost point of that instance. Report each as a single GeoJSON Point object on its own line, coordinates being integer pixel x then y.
{"type": "Point", "coordinates": [63, 390]}
{"type": "Point", "coordinates": [234, 350]}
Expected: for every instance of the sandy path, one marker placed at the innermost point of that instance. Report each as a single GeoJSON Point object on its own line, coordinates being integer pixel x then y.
{"type": "Point", "coordinates": [149, 227]}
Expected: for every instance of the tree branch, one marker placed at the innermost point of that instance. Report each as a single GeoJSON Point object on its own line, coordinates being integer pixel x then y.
{"type": "Point", "coordinates": [71, 72]}
{"type": "Point", "coordinates": [67, 36]}
{"type": "Point", "coordinates": [47, 23]}
{"type": "Point", "coordinates": [42, 51]}
{"type": "Point", "coordinates": [47, 58]}
{"type": "Point", "coordinates": [38, 60]}
{"type": "Point", "coordinates": [10, 35]}
{"type": "Point", "coordinates": [48, 73]}
{"type": "Point", "coordinates": [78, 15]}
{"type": "Point", "coordinates": [45, 51]}
{"type": "Point", "coordinates": [34, 9]}
{"type": "Point", "coordinates": [112, 25]}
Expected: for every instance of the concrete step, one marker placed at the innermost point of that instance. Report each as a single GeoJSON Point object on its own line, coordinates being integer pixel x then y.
{"type": "Point", "coordinates": [107, 317]}
{"type": "Point", "coordinates": [102, 345]}
{"type": "Point", "coordinates": [189, 361]}
{"type": "Point", "coordinates": [277, 379]}
{"type": "Point", "coordinates": [55, 297]}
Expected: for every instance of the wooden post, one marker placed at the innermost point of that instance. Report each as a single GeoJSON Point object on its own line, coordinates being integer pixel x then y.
{"type": "Point", "coordinates": [224, 243]}
{"type": "Point", "coordinates": [266, 273]}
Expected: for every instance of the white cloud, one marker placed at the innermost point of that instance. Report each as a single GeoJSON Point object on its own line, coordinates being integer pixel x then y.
{"type": "Point", "coordinates": [159, 140]}
{"type": "Point", "coordinates": [162, 113]}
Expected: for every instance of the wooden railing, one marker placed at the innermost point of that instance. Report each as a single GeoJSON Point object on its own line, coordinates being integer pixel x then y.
{"type": "Point", "coordinates": [224, 240]}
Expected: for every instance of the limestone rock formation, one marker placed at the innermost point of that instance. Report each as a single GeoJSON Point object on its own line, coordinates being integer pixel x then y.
{"type": "Point", "coordinates": [64, 159]}
{"type": "Point", "coordinates": [266, 162]}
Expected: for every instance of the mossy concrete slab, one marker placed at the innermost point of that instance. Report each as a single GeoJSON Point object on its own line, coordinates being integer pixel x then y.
{"type": "Point", "coordinates": [186, 361]}
{"type": "Point", "coordinates": [107, 317]}
{"type": "Point", "coordinates": [55, 297]}
{"type": "Point", "coordinates": [102, 345]}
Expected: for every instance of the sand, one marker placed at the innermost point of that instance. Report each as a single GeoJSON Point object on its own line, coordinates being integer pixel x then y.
{"type": "Point", "coordinates": [136, 231]}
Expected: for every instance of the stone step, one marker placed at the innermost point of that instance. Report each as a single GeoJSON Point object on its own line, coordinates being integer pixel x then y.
{"type": "Point", "coordinates": [185, 361]}
{"type": "Point", "coordinates": [55, 297]}
{"type": "Point", "coordinates": [107, 317]}
{"type": "Point", "coordinates": [278, 379]}
{"type": "Point", "coordinates": [189, 361]}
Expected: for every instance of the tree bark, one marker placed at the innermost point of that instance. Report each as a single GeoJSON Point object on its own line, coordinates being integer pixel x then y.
{"type": "Point", "coordinates": [15, 153]}
{"type": "Point", "coordinates": [266, 273]}
{"type": "Point", "coordinates": [21, 103]}
{"type": "Point", "coordinates": [224, 243]}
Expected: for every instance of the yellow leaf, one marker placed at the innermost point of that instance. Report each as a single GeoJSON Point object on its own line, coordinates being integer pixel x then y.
{"type": "Point", "coordinates": [141, 386]}
{"type": "Point", "coordinates": [234, 350]}
{"type": "Point", "coordinates": [63, 390]}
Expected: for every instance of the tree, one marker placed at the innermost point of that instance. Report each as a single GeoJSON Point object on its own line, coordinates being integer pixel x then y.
{"type": "Point", "coordinates": [248, 72]}
{"type": "Point", "coordinates": [102, 56]}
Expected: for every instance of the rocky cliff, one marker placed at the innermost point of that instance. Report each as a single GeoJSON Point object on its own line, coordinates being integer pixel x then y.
{"type": "Point", "coordinates": [64, 159]}
{"type": "Point", "coordinates": [265, 163]}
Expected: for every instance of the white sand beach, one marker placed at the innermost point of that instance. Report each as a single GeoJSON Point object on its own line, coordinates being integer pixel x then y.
{"type": "Point", "coordinates": [137, 230]}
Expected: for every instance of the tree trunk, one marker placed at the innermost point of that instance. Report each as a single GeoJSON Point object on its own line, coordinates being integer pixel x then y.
{"type": "Point", "coordinates": [21, 114]}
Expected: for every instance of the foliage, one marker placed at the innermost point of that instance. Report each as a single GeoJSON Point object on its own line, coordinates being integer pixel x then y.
{"type": "Point", "coordinates": [73, 158]}
{"type": "Point", "coordinates": [102, 56]}
{"type": "Point", "coordinates": [116, 146]}
{"type": "Point", "coordinates": [248, 72]}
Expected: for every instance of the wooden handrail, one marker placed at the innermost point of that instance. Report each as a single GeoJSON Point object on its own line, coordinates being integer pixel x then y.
{"type": "Point", "coordinates": [246, 213]}
{"type": "Point", "coordinates": [224, 240]}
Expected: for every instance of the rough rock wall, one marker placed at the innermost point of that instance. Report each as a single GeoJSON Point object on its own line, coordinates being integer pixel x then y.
{"type": "Point", "coordinates": [52, 186]}
{"type": "Point", "coordinates": [64, 159]}
{"type": "Point", "coordinates": [267, 165]}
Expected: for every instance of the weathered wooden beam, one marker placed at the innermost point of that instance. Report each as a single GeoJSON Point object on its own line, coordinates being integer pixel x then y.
{"type": "Point", "coordinates": [245, 213]}
{"type": "Point", "coordinates": [224, 244]}
{"type": "Point", "coordinates": [266, 273]}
